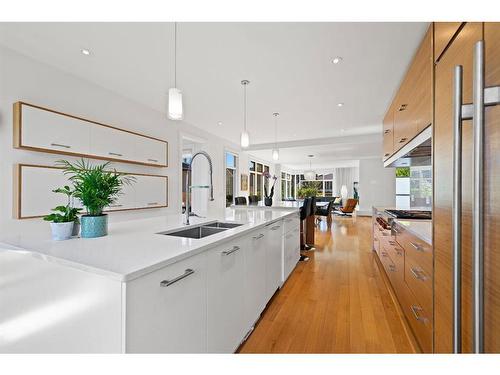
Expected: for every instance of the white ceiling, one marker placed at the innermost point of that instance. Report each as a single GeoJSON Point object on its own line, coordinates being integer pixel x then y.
{"type": "Point", "coordinates": [288, 64]}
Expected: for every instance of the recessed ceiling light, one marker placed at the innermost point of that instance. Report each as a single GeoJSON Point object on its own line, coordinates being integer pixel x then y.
{"type": "Point", "coordinates": [337, 60]}
{"type": "Point", "coordinates": [219, 123]}
{"type": "Point", "coordinates": [340, 104]}
{"type": "Point", "coordinates": [86, 52]}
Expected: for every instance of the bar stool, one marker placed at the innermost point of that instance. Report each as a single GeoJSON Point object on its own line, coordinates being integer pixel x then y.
{"type": "Point", "coordinates": [304, 213]}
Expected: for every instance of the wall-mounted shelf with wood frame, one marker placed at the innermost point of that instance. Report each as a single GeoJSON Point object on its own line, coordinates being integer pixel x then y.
{"type": "Point", "coordinates": [45, 130]}
{"type": "Point", "coordinates": [33, 196]}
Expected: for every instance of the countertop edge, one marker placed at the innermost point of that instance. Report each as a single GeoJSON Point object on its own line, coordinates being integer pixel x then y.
{"type": "Point", "coordinates": [142, 271]}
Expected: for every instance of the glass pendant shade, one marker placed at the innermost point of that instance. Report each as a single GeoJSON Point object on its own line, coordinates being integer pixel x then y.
{"type": "Point", "coordinates": [276, 154]}
{"type": "Point", "coordinates": [245, 139]}
{"type": "Point", "coordinates": [310, 175]}
{"type": "Point", "coordinates": [175, 104]}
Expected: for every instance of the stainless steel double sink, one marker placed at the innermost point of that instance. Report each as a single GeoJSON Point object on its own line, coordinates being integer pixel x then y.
{"type": "Point", "coordinates": [201, 231]}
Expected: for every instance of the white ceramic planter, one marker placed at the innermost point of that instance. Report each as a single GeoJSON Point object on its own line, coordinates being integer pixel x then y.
{"type": "Point", "coordinates": [61, 231]}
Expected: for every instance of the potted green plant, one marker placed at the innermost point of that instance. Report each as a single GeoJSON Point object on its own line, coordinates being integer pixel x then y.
{"type": "Point", "coordinates": [96, 187]}
{"type": "Point", "coordinates": [66, 190]}
{"type": "Point", "coordinates": [62, 221]}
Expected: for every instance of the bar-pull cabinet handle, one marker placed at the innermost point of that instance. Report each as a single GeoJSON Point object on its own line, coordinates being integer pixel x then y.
{"type": "Point", "coordinates": [230, 251]}
{"type": "Point", "coordinates": [457, 209]}
{"type": "Point", "coordinates": [477, 200]}
{"type": "Point", "coordinates": [186, 273]}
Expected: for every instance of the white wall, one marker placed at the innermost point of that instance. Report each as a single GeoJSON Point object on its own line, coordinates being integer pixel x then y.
{"type": "Point", "coordinates": [376, 185]}
{"type": "Point", "coordinates": [22, 78]}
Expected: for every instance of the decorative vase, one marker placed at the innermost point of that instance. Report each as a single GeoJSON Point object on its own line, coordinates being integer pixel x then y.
{"type": "Point", "coordinates": [94, 226]}
{"type": "Point", "coordinates": [76, 228]}
{"type": "Point", "coordinates": [61, 231]}
{"type": "Point", "coordinates": [268, 201]}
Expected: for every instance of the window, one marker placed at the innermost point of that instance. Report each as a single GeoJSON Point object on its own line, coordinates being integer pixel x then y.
{"type": "Point", "coordinates": [257, 180]}
{"type": "Point", "coordinates": [287, 186]}
{"type": "Point", "coordinates": [323, 182]}
{"type": "Point", "coordinates": [421, 187]}
{"type": "Point", "coordinates": [403, 187]}
{"type": "Point", "coordinates": [231, 177]}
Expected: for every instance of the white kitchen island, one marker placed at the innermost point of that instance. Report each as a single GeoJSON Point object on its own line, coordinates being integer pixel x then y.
{"type": "Point", "coordinates": [139, 291]}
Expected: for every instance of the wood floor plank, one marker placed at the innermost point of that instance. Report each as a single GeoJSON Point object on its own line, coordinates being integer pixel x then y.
{"type": "Point", "coordinates": [337, 302]}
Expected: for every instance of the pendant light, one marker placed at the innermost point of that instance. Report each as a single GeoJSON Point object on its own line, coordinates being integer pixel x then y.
{"type": "Point", "coordinates": [245, 137]}
{"type": "Point", "coordinates": [276, 152]}
{"type": "Point", "coordinates": [310, 175]}
{"type": "Point", "coordinates": [175, 111]}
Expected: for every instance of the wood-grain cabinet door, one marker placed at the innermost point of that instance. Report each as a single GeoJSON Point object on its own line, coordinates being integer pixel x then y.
{"type": "Point", "coordinates": [492, 195]}
{"type": "Point", "coordinates": [168, 317]}
{"type": "Point", "coordinates": [422, 74]}
{"type": "Point", "coordinates": [388, 125]}
{"type": "Point", "coordinates": [460, 52]}
{"type": "Point", "coordinates": [226, 325]}
{"type": "Point", "coordinates": [443, 32]}
{"type": "Point", "coordinates": [413, 103]}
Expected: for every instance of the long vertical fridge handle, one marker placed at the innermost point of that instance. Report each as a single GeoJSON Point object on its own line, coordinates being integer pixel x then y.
{"type": "Point", "coordinates": [457, 209]}
{"type": "Point", "coordinates": [478, 205]}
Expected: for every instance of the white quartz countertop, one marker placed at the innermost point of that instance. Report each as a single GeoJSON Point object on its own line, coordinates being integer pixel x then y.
{"type": "Point", "coordinates": [420, 228]}
{"type": "Point", "coordinates": [133, 248]}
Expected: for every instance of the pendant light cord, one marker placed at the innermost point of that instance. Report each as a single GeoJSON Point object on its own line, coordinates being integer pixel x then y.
{"type": "Point", "coordinates": [175, 54]}
{"type": "Point", "coordinates": [276, 130]}
{"type": "Point", "coordinates": [245, 107]}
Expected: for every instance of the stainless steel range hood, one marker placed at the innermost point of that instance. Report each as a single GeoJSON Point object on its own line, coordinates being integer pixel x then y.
{"type": "Point", "coordinates": [417, 152]}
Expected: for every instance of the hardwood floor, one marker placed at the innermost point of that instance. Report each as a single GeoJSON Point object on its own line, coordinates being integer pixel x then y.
{"type": "Point", "coordinates": [337, 302]}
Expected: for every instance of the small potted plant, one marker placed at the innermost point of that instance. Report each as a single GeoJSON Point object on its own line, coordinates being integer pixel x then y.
{"type": "Point", "coordinates": [268, 197]}
{"type": "Point", "coordinates": [62, 221]}
{"type": "Point", "coordinates": [66, 190]}
{"type": "Point", "coordinates": [96, 188]}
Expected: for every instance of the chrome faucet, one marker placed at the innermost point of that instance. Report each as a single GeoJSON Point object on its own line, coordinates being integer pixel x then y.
{"type": "Point", "coordinates": [188, 188]}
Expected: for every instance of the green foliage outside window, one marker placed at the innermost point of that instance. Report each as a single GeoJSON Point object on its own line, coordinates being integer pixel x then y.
{"type": "Point", "coordinates": [403, 172]}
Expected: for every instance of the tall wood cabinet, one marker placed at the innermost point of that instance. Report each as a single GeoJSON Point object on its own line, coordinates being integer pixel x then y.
{"type": "Point", "coordinates": [411, 110]}
{"type": "Point", "coordinates": [460, 52]}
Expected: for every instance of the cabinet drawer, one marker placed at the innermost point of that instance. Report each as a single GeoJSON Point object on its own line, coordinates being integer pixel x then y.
{"type": "Point", "coordinates": [416, 249]}
{"type": "Point", "coordinates": [420, 319]}
{"type": "Point", "coordinates": [419, 282]}
{"type": "Point", "coordinates": [291, 223]}
{"type": "Point", "coordinates": [394, 266]}
{"type": "Point", "coordinates": [386, 260]}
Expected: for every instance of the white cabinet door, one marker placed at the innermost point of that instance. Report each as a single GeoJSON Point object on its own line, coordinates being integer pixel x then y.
{"type": "Point", "coordinates": [111, 143]}
{"type": "Point", "coordinates": [48, 130]}
{"type": "Point", "coordinates": [151, 191]}
{"type": "Point", "coordinates": [126, 200]}
{"type": "Point", "coordinates": [255, 276]}
{"type": "Point", "coordinates": [151, 151]}
{"type": "Point", "coordinates": [166, 309]}
{"type": "Point", "coordinates": [291, 252]}
{"type": "Point", "coordinates": [274, 245]}
{"type": "Point", "coordinates": [291, 222]}
{"type": "Point", "coordinates": [226, 325]}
